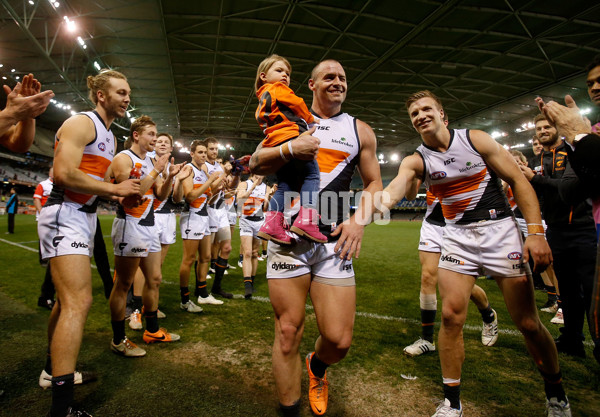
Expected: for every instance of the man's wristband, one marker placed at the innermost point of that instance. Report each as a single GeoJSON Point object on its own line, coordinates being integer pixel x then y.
{"type": "Point", "coordinates": [289, 144]}
{"type": "Point", "coordinates": [154, 174]}
{"type": "Point", "coordinates": [281, 154]}
{"type": "Point", "coordinates": [535, 228]}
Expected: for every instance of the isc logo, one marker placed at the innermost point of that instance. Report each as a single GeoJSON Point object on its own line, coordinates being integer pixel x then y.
{"type": "Point", "coordinates": [449, 161]}
{"type": "Point", "coordinates": [438, 175]}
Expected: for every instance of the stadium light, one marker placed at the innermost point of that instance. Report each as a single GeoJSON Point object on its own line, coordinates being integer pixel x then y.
{"type": "Point", "coordinates": [13, 70]}
{"type": "Point", "coordinates": [524, 127]}
{"type": "Point", "coordinates": [96, 65]}
{"type": "Point", "coordinates": [71, 26]}
{"type": "Point", "coordinates": [394, 157]}
{"type": "Point", "coordinates": [31, 2]}
{"type": "Point", "coordinates": [585, 111]}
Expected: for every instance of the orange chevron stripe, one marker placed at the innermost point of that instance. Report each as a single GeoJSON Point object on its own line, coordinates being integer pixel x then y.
{"type": "Point", "coordinates": [328, 159]}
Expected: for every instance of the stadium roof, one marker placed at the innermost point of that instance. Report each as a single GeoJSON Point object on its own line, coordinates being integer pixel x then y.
{"type": "Point", "coordinates": [192, 64]}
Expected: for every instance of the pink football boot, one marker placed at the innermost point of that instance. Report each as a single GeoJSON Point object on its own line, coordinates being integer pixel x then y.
{"type": "Point", "coordinates": [307, 225]}
{"type": "Point", "coordinates": [272, 229]}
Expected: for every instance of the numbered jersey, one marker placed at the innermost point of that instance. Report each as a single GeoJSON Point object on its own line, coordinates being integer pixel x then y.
{"type": "Point", "coordinates": [143, 214]}
{"type": "Point", "coordinates": [253, 205]}
{"type": "Point", "coordinates": [459, 177]}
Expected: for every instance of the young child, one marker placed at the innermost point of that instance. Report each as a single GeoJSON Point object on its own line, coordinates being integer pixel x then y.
{"type": "Point", "coordinates": [283, 116]}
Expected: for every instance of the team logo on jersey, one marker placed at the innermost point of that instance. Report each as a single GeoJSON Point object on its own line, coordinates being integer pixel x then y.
{"type": "Point", "coordinates": [342, 141]}
{"type": "Point", "coordinates": [122, 245]}
{"type": "Point", "coordinates": [449, 161]}
{"type": "Point", "coordinates": [471, 165]}
{"type": "Point", "coordinates": [57, 240]}
{"type": "Point", "coordinates": [437, 175]}
{"type": "Point", "coordinates": [102, 146]}
{"type": "Point", "coordinates": [514, 256]}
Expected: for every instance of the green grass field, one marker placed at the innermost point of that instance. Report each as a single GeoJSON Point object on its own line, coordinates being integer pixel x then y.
{"type": "Point", "coordinates": [221, 367]}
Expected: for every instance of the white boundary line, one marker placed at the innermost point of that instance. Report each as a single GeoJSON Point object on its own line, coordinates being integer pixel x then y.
{"type": "Point", "coordinates": [375, 316]}
{"type": "Point", "coordinates": [33, 250]}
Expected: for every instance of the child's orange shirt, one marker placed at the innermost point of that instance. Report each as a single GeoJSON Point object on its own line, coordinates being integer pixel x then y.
{"type": "Point", "coordinates": [281, 114]}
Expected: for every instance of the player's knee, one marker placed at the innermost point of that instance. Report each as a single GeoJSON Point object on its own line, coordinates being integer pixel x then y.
{"type": "Point", "coordinates": [248, 253]}
{"type": "Point", "coordinates": [79, 304]}
{"type": "Point", "coordinates": [452, 317]}
{"type": "Point", "coordinates": [528, 325]}
{"type": "Point", "coordinates": [342, 345]}
{"type": "Point", "coordinates": [254, 254]}
{"type": "Point", "coordinates": [155, 280]}
{"type": "Point", "coordinates": [189, 260]}
{"type": "Point", "coordinates": [289, 338]}
{"type": "Point", "coordinates": [225, 250]}
{"type": "Point", "coordinates": [428, 281]}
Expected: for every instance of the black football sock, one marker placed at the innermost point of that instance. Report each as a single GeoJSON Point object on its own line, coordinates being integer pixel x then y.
{"type": "Point", "coordinates": [487, 314]}
{"type": "Point", "coordinates": [220, 266]}
{"type": "Point", "coordinates": [427, 324]}
{"type": "Point", "coordinates": [317, 366]}
{"type": "Point", "coordinates": [290, 410]}
{"type": "Point", "coordinates": [201, 289]}
{"type": "Point", "coordinates": [553, 386]}
{"type": "Point", "coordinates": [247, 287]}
{"type": "Point", "coordinates": [62, 394]}
{"type": "Point", "coordinates": [452, 394]}
{"type": "Point", "coordinates": [151, 321]}
{"type": "Point", "coordinates": [118, 331]}
{"type": "Point", "coordinates": [184, 292]}
{"type": "Point", "coordinates": [136, 303]}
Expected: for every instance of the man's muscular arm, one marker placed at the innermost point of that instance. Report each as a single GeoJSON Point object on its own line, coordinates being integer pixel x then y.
{"type": "Point", "coordinates": [266, 161]}
{"type": "Point", "coordinates": [498, 159]}
{"type": "Point", "coordinates": [351, 231]}
{"type": "Point", "coordinates": [405, 183]}
{"type": "Point", "coordinates": [73, 136]}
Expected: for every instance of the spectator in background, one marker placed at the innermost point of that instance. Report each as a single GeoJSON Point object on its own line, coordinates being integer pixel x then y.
{"type": "Point", "coordinates": [17, 121]}
{"type": "Point", "coordinates": [584, 151]}
{"type": "Point", "coordinates": [571, 233]}
{"type": "Point", "coordinates": [12, 207]}
{"type": "Point", "coordinates": [534, 161]}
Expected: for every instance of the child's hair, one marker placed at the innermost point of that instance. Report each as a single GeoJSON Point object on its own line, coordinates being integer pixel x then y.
{"type": "Point", "coordinates": [519, 155]}
{"type": "Point", "coordinates": [265, 65]}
